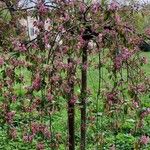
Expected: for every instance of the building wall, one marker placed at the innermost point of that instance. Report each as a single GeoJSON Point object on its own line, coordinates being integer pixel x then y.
{"type": "Point", "coordinates": [30, 28]}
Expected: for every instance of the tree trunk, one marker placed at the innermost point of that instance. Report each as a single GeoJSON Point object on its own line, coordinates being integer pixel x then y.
{"type": "Point", "coordinates": [83, 96]}
{"type": "Point", "coordinates": [71, 112]}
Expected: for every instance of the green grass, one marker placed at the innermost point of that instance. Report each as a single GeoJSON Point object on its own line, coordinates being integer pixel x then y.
{"type": "Point", "coordinates": [124, 139]}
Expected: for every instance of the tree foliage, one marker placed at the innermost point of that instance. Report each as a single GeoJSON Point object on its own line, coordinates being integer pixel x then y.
{"type": "Point", "coordinates": [48, 76]}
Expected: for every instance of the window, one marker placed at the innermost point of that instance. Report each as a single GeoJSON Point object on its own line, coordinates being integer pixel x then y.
{"type": "Point", "coordinates": [31, 31]}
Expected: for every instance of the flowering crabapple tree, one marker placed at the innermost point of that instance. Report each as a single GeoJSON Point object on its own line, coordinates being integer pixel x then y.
{"type": "Point", "coordinates": [45, 79]}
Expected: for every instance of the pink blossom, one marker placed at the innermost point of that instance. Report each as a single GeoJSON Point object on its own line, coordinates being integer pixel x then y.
{"type": "Point", "coordinates": [117, 18]}
{"type": "Point", "coordinates": [55, 78]}
{"type": "Point", "coordinates": [40, 146]}
{"type": "Point", "coordinates": [9, 82]}
{"type": "Point", "coordinates": [145, 112]}
{"type": "Point", "coordinates": [46, 38]}
{"type": "Point", "coordinates": [135, 104]}
{"type": "Point", "coordinates": [139, 88]}
{"type": "Point", "coordinates": [49, 97]}
{"type": "Point", "coordinates": [28, 138]}
{"type": "Point", "coordinates": [85, 66]}
{"type": "Point", "coordinates": [126, 53]}
{"type": "Point", "coordinates": [114, 6]}
{"type": "Point", "coordinates": [36, 128]}
{"type": "Point", "coordinates": [1, 61]}
{"type": "Point", "coordinates": [40, 24]}
{"type": "Point", "coordinates": [111, 97]}
{"type": "Point", "coordinates": [13, 133]}
{"type": "Point", "coordinates": [46, 133]}
{"type": "Point", "coordinates": [120, 58]}
{"type": "Point", "coordinates": [61, 28]}
{"type": "Point", "coordinates": [9, 117]}
{"type": "Point", "coordinates": [95, 7]}
{"type": "Point", "coordinates": [64, 49]}
{"type": "Point", "coordinates": [19, 46]}
{"type": "Point", "coordinates": [65, 17]}
{"type": "Point", "coordinates": [144, 60]}
{"type": "Point", "coordinates": [9, 72]}
{"type": "Point", "coordinates": [148, 31]}
{"type": "Point", "coordinates": [67, 89]}
{"type": "Point", "coordinates": [73, 100]}
{"type": "Point", "coordinates": [37, 82]}
{"type": "Point", "coordinates": [82, 7]}
{"type": "Point", "coordinates": [34, 46]}
{"type": "Point", "coordinates": [100, 36]}
{"type": "Point", "coordinates": [144, 139]}
{"type": "Point", "coordinates": [70, 65]}
{"type": "Point", "coordinates": [118, 62]}
{"type": "Point", "coordinates": [14, 97]}
{"type": "Point", "coordinates": [81, 42]}
{"type": "Point", "coordinates": [42, 9]}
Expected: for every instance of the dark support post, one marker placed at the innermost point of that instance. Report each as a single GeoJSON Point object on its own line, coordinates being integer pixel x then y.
{"type": "Point", "coordinates": [71, 113]}
{"type": "Point", "coordinates": [83, 96]}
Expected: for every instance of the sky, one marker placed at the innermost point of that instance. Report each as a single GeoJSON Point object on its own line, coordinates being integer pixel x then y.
{"type": "Point", "coordinates": [30, 3]}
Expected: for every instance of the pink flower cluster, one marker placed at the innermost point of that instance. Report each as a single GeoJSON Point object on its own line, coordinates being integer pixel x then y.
{"type": "Point", "coordinates": [118, 62]}
{"type": "Point", "coordinates": [61, 65]}
{"type": "Point", "coordinates": [66, 88]}
{"type": "Point", "coordinates": [81, 42]}
{"type": "Point", "coordinates": [126, 53]}
{"type": "Point", "coordinates": [65, 17]}
{"type": "Point", "coordinates": [14, 98]}
{"type": "Point", "coordinates": [13, 133]}
{"type": "Point", "coordinates": [18, 46]}
{"type": "Point", "coordinates": [49, 97]}
{"type": "Point", "coordinates": [145, 113]}
{"type": "Point", "coordinates": [117, 18]}
{"type": "Point", "coordinates": [40, 146]}
{"type": "Point", "coordinates": [38, 24]}
{"type": "Point", "coordinates": [9, 117]}
{"type": "Point", "coordinates": [100, 37]}
{"type": "Point", "coordinates": [135, 104]}
{"type": "Point", "coordinates": [140, 88]}
{"type": "Point", "coordinates": [36, 83]}
{"type": "Point", "coordinates": [85, 66]}
{"type": "Point", "coordinates": [36, 128]}
{"type": "Point", "coordinates": [46, 39]}
{"type": "Point", "coordinates": [15, 62]}
{"type": "Point", "coordinates": [42, 9]}
{"type": "Point", "coordinates": [73, 100]}
{"type": "Point", "coordinates": [33, 106]}
{"type": "Point", "coordinates": [144, 139]}
{"type": "Point", "coordinates": [55, 78]}
{"type": "Point", "coordinates": [95, 7]}
{"type": "Point", "coordinates": [1, 61]}
{"type": "Point", "coordinates": [114, 6]}
{"type": "Point", "coordinates": [148, 31]}
{"type": "Point", "coordinates": [120, 58]}
{"type": "Point", "coordinates": [28, 138]}
{"type": "Point", "coordinates": [9, 72]}
{"type": "Point", "coordinates": [64, 49]}
{"type": "Point", "coordinates": [111, 98]}
{"type": "Point", "coordinates": [82, 7]}
{"type": "Point", "coordinates": [144, 60]}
